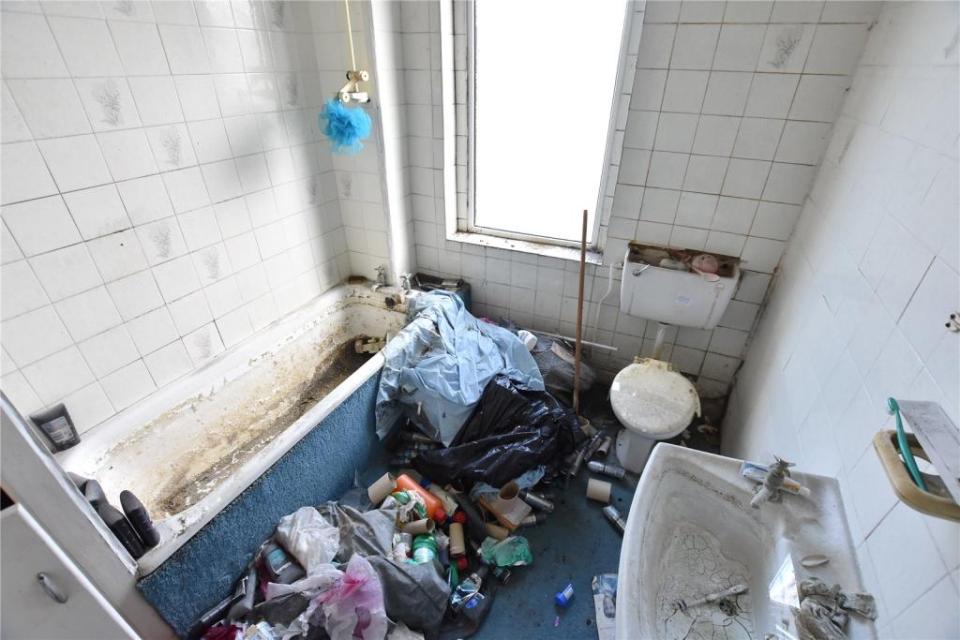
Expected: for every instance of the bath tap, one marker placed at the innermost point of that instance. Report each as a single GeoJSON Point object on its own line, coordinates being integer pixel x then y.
{"type": "Point", "coordinates": [770, 490]}
{"type": "Point", "coordinates": [381, 277]}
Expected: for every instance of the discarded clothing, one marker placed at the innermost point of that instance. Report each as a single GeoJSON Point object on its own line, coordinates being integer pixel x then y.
{"type": "Point", "coordinates": [511, 431]}
{"type": "Point", "coordinates": [436, 368]}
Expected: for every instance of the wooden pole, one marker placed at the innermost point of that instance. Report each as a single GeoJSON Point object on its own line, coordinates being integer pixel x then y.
{"type": "Point", "coordinates": [579, 347]}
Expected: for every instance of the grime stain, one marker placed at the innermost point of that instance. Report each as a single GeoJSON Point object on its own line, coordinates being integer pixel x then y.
{"type": "Point", "coordinates": [227, 432]}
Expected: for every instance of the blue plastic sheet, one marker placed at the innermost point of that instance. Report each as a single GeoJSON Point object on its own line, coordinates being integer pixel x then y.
{"type": "Point", "coordinates": [439, 364]}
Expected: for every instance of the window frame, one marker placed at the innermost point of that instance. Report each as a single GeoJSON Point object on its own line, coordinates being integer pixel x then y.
{"type": "Point", "coordinates": [465, 183]}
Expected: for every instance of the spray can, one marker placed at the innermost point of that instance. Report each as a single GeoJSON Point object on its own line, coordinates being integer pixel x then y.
{"type": "Point", "coordinates": [564, 597]}
{"type": "Point", "coordinates": [536, 501]}
{"type": "Point", "coordinates": [604, 448]}
{"type": "Point", "coordinates": [611, 470]}
{"type": "Point", "coordinates": [610, 513]}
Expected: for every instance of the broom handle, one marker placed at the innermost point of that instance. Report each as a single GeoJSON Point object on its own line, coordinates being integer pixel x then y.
{"type": "Point", "coordinates": [579, 344]}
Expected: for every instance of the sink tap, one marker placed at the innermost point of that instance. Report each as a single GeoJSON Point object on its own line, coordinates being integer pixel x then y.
{"type": "Point", "coordinates": [405, 282]}
{"type": "Point", "coordinates": [381, 277]}
{"type": "Point", "coordinates": [770, 490]}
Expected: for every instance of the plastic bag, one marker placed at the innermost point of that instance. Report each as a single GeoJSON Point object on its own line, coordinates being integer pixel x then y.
{"type": "Point", "coordinates": [556, 364]}
{"type": "Point", "coordinates": [511, 431]}
{"type": "Point", "coordinates": [435, 369]}
{"type": "Point", "coordinates": [509, 552]}
{"type": "Point", "coordinates": [353, 607]}
{"type": "Point", "coordinates": [309, 538]}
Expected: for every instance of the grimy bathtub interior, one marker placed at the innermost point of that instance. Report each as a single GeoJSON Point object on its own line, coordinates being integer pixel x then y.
{"type": "Point", "coordinates": [217, 215]}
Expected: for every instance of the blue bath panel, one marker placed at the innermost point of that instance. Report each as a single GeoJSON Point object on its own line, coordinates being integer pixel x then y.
{"type": "Point", "coordinates": [320, 467]}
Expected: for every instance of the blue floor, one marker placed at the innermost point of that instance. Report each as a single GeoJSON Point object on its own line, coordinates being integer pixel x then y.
{"type": "Point", "coordinates": [574, 544]}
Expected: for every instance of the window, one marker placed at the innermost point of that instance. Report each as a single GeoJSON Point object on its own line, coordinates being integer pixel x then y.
{"type": "Point", "coordinates": [543, 77]}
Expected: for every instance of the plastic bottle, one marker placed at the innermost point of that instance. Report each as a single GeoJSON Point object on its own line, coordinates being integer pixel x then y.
{"type": "Point", "coordinates": [424, 549]}
{"type": "Point", "coordinates": [564, 597]}
{"type": "Point", "coordinates": [434, 506]}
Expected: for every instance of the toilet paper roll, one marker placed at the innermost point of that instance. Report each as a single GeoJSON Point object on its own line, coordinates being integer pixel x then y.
{"type": "Point", "coordinates": [599, 490]}
{"type": "Point", "coordinates": [380, 489]}
{"type": "Point", "coordinates": [418, 526]}
{"type": "Point", "coordinates": [457, 545]}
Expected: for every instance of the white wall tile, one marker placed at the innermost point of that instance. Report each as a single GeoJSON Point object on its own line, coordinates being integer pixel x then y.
{"type": "Point", "coordinates": [129, 384]}
{"type": "Point", "coordinates": [97, 211]}
{"type": "Point", "coordinates": [40, 225]}
{"type": "Point", "coordinates": [21, 291]}
{"type": "Point", "coordinates": [87, 46]}
{"type": "Point", "coordinates": [88, 313]}
{"type": "Point", "coordinates": [58, 375]}
{"type": "Point", "coordinates": [30, 50]}
{"type": "Point", "coordinates": [66, 271]}
{"type": "Point", "coordinates": [108, 351]}
{"type": "Point", "coordinates": [156, 99]}
{"type": "Point", "coordinates": [127, 153]}
{"type": "Point", "coordinates": [135, 295]}
{"type": "Point", "coordinates": [51, 107]}
{"type": "Point", "coordinates": [844, 301]}
{"type": "Point", "coordinates": [23, 174]}
{"type": "Point", "coordinates": [75, 162]}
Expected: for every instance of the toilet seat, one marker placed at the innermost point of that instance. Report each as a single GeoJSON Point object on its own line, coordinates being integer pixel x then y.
{"type": "Point", "coordinates": [653, 402]}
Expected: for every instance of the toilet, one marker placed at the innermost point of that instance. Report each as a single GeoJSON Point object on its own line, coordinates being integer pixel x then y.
{"type": "Point", "coordinates": [651, 399]}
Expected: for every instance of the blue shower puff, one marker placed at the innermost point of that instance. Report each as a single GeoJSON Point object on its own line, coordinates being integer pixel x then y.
{"type": "Point", "coordinates": [345, 126]}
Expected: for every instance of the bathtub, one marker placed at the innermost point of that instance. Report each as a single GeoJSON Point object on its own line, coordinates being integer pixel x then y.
{"type": "Point", "coordinates": [191, 448]}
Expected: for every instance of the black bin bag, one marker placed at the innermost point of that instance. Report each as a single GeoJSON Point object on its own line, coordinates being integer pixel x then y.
{"type": "Point", "coordinates": [511, 431]}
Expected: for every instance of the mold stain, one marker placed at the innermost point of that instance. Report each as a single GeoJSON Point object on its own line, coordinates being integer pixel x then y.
{"type": "Point", "coordinates": [787, 43]}
{"type": "Point", "coordinates": [211, 264]}
{"type": "Point", "coordinates": [172, 146]}
{"type": "Point", "coordinates": [108, 96]}
{"type": "Point", "coordinates": [292, 90]}
{"type": "Point", "coordinates": [124, 7]}
{"type": "Point", "coordinates": [277, 11]}
{"type": "Point", "coordinates": [162, 241]}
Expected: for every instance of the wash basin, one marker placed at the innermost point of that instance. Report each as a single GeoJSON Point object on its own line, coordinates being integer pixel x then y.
{"type": "Point", "coordinates": [691, 532]}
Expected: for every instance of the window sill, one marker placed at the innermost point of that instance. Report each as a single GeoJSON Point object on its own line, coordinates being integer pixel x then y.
{"type": "Point", "coordinates": [525, 246]}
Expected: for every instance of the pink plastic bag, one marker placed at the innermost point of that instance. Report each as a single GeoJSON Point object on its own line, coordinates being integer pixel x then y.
{"type": "Point", "coordinates": [353, 607]}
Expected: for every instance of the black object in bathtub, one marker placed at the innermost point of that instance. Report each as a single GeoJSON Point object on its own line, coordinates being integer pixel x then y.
{"type": "Point", "coordinates": [426, 282]}
{"type": "Point", "coordinates": [318, 468]}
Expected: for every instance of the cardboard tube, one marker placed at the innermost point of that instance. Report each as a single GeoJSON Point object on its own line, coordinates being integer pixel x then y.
{"type": "Point", "coordinates": [380, 489]}
{"type": "Point", "coordinates": [599, 490]}
{"type": "Point", "coordinates": [496, 531]}
{"type": "Point", "coordinates": [509, 491]}
{"type": "Point", "coordinates": [418, 526]}
{"type": "Point", "coordinates": [457, 546]}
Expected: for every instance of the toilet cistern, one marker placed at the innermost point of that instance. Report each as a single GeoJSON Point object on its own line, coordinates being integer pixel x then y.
{"type": "Point", "coordinates": [676, 287]}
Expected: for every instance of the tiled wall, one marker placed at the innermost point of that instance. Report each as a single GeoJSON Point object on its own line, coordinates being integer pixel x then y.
{"type": "Point", "coordinates": [858, 313]}
{"type": "Point", "coordinates": [730, 107]}
{"type": "Point", "coordinates": [165, 192]}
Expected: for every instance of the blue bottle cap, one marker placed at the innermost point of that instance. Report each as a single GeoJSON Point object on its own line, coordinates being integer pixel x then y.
{"type": "Point", "coordinates": [564, 597]}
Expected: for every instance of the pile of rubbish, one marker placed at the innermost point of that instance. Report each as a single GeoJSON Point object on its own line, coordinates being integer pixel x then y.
{"type": "Point", "coordinates": [475, 438]}
{"type": "Point", "coordinates": [399, 560]}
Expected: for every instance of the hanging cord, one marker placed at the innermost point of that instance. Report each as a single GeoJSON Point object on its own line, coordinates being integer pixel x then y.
{"type": "Point", "coordinates": [353, 55]}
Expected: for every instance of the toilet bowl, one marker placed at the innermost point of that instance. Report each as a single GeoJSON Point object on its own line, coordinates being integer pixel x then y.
{"type": "Point", "coordinates": [650, 398]}
{"type": "Point", "coordinates": [652, 402]}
